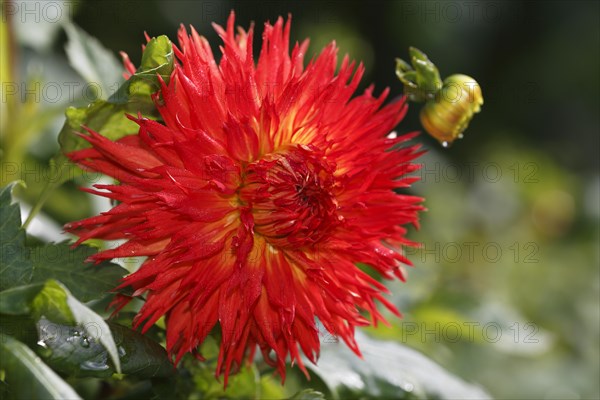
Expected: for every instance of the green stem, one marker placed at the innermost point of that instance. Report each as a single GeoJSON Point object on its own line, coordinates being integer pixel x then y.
{"type": "Point", "coordinates": [46, 192]}
{"type": "Point", "coordinates": [257, 389]}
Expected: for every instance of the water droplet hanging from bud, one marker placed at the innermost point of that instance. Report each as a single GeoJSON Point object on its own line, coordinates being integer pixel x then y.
{"type": "Point", "coordinates": [449, 105]}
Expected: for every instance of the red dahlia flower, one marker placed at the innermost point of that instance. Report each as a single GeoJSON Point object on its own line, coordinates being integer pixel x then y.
{"type": "Point", "coordinates": [256, 199]}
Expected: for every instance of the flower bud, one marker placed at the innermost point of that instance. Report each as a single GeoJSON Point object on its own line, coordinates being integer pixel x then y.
{"type": "Point", "coordinates": [422, 82]}
{"type": "Point", "coordinates": [447, 115]}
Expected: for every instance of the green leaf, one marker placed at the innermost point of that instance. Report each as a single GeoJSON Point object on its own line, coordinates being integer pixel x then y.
{"type": "Point", "coordinates": [242, 385]}
{"type": "Point", "coordinates": [92, 61]}
{"type": "Point", "coordinates": [308, 394]}
{"type": "Point", "coordinates": [388, 370]}
{"type": "Point", "coordinates": [90, 320]}
{"type": "Point", "coordinates": [421, 83]}
{"type": "Point", "coordinates": [27, 377]}
{"type": "Point", "coordinates": [20, 327]}
{"type": "Point", "coordinates": [133, 97]}
{"type": "Point", "coordinates": [56, 303]}
{"type": "Point", "coordinates": [16, 301]}
{"type": "Point", "coordinates": [140, 355]}
{"type": "Point", "coordinates": [428, 77]}
{"type": "Point", "coordinates": [86, 281]}
{"type": "Point", "coordinates": [21, 265]}
{"type": "Point", "coordinates": [69, 350]}
{"type": "Point", "coordinates": [246, 383]}
{"type": "Point", "coordinates": [179, 386]}
{"type": "Point", "coordinates": [15, 267]}
{"type": "Point", "coordinates": [51, 302]}
{"type": "Point", "coordinates": [156, 59]}
{"type": "Point", "coordinates": [108, 117]}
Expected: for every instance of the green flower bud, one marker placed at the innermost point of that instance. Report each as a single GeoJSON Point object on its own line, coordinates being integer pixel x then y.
{"type": "Point", "coordinates": [421, 81]}
{"type": "Point", "coordinates": [447, 115]}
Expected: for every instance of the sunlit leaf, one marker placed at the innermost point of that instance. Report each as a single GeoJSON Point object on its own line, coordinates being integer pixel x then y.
{"type": "Point", "coordinates": [157, 60]}
{"type": "Point", "coordinates": [51, 302]}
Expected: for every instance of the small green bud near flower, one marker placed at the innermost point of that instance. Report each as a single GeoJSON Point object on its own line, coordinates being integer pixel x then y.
{"type": "Point", "coordinates": [448, 115]}
{"type": "Point", "coordinates": [421, 83]}
{"type": "Point", "coordinates": [449, 105]}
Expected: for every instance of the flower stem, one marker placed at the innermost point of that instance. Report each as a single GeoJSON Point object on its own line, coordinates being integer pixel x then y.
{"type": "Point", "coordinates": [46, 191]}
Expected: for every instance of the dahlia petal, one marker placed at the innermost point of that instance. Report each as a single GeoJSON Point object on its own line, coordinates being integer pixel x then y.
{"type": "Point", "coordinates": [137, 248]}
{"type": "Point", "coordinates": [132, 157]}
{"type": "Point", "coordinates": [128, 65]}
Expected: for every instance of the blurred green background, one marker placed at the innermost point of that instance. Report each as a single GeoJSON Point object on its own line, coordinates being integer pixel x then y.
{"type": "Point", "coordinates": [506, 289]}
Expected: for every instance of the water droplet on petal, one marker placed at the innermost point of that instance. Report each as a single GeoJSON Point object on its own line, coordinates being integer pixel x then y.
{"type": "Point", "coordinates": [460, 136]}
{"type": "Point", "coordinates": [445, 144]}
{"type": "Point", "coordinates": [85, 342]}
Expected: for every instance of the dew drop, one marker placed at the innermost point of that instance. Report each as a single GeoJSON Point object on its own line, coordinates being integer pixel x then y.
{"type": "Point", "coordinates": [460, 136]}
{"type": "Point", "coordinates": [445, 144]}
{"type": "Point", "coordinates": [43, 349]}
{"type": "Point", "coordinates": [85, 342]}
